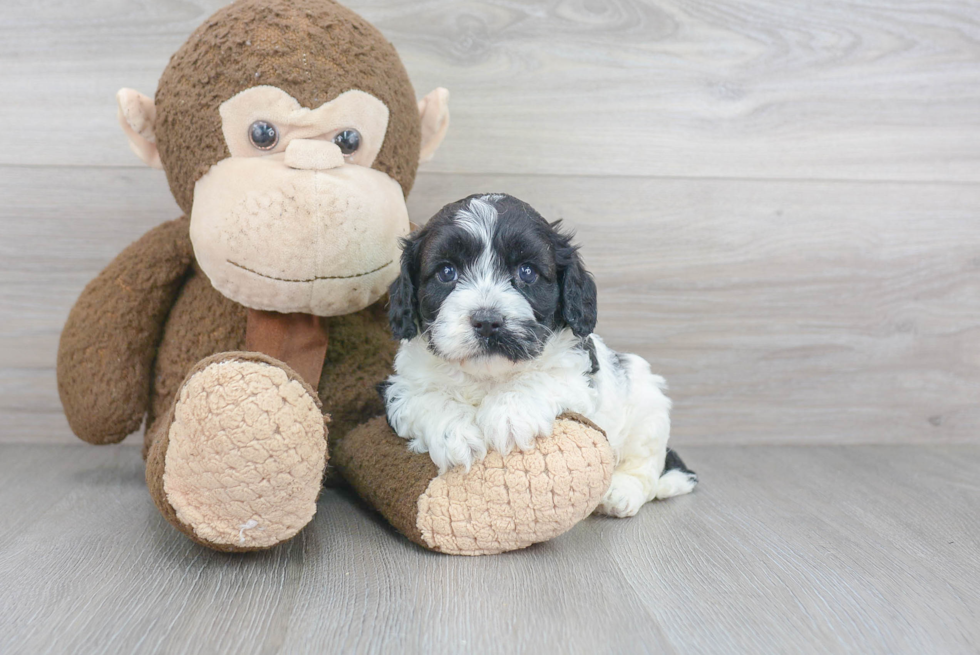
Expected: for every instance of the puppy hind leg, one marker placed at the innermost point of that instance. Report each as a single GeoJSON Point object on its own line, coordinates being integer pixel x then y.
{"type": "Point", "coordinates": [635, 481]}
{"type": "Point", "coordinates": [677, 479]}
{"type": "Point", "coordinates": [638, 480]}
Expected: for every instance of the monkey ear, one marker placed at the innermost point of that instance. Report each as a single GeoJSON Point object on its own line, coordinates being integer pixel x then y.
{"type": "Point", "coordinates": [578, 300]}
{"type": "Point", "coordinates": [403, 306]}
{"type": "Point", "coordinates": [434, 112]}
{"type": "Point", "coordinates": [137, 115]}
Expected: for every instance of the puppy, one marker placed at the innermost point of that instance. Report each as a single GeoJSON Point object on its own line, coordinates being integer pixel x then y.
{"type": "Point", "coordinates": [495, 312]}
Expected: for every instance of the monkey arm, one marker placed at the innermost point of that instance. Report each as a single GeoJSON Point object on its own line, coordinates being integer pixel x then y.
{"type": "Point", "coordinates": [107, 347]}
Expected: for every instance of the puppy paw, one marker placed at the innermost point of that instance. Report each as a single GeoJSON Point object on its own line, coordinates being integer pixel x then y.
{"type": "Point", "coordinates": [676, 482]}
{"type": "Point", "coordinates": [507, 422]}
{"type": "Point", "coordinates": [624, 497]}
{"type": "Point", "coordinates": [460, 444]}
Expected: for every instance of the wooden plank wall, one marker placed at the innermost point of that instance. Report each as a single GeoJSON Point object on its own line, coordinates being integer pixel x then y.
{"type": "Point", "coordinates": [779, 200]}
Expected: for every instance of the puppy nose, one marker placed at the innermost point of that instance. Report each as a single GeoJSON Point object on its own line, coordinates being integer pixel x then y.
{"type": "Point", "coordinates": [313, 155]}
{"type": "Point", "coordinates": [486, 322]}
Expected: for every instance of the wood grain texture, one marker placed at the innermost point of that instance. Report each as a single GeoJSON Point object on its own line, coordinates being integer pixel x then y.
{"type": "Point", "coordinates": [61, 226]}
{"type": "Point", "coordinates": [717, 158]}
{"type": "Point", "coordinates": [800, 312]}
{"type": "Point", "coordinates": [780, 549]}
{"type": "Point", "coordinates": [720, 88]}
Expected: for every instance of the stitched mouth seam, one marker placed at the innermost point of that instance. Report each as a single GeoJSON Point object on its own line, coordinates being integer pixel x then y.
{"type": "Point", "coordinates": [312, 279]}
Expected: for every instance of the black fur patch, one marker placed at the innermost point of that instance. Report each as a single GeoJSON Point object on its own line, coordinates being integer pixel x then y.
{"type": "Point", "coordinates": [381, 388]}
{"type": "Point", "coordinates": [675, 463]}
{"type": "Point", "coordinates": [589, 346]}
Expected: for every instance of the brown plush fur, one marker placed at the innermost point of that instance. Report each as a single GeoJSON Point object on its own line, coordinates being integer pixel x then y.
{"type": "Point", "coordinates": [152, 315]}
{"type": "Point", "coordinates": [140, 327]}
{"type": "Point", "coordinates": [154, 300]}
{"type": "Point", "coordinates": [202, 323]}
{"type": "Point", "coordinates": [378, 465]}
{"type": "Point", "coordinates": [107, 347]}
{"type": "Point", "coordinates": [256, 43]}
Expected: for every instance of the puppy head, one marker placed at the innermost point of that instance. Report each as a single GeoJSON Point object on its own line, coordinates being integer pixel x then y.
{"type": "Point", "coordinates": [489, 277]}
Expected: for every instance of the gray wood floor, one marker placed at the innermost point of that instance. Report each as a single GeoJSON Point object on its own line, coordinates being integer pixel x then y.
{"type": "Point", "coordinates": [857, 549]}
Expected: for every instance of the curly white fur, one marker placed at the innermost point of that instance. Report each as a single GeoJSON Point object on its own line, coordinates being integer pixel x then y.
{"type": "Point", "coordinates": [455, 397]}
{"type": "Point", "coordinates": [457, 410]}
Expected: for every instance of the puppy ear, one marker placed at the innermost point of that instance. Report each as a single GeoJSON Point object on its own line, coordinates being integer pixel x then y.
{"type": "Point", "coordinates": [403, 305]}
{"type": "Point", "coordinates": [577, 307]}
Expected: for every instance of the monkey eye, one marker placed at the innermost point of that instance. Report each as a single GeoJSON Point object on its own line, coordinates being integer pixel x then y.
{"type": "Point", "coordinates": [447, 273]}
{"type": "Point", "coordinates": [527, 274]}
{"type": "Point", "coordinates": [348, 141]}
{"type": "Point", "coordinates": [263, 135]}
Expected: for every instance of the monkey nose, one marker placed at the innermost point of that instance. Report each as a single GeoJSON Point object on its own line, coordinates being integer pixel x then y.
{"type": "Point", "coordinates": [313, 155]}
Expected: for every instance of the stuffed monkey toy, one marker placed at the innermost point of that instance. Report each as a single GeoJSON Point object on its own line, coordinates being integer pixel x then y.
{"type": "Point", "coordinates": [250, 334]}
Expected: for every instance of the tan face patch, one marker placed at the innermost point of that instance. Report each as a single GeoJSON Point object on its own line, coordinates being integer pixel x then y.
{"type": "Point", "coordinates": [297, 225]}
{"type": "Point", "coordinates": [350, 110]}
{"type": "Point", "coordinates": [321, 242]}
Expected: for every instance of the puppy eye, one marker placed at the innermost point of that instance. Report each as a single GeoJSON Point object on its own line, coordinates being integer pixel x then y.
{"type": "Point", "coordinates": [348, 141]}
{"type": "Point", "coordinates": [527, 274]}
{"type": "Point", "coordinates": [446, 273]}
{"type": "Point", "coordinates": [263, 135]}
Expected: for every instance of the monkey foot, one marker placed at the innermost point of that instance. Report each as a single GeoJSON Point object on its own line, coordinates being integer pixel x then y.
{"type": "Point", "coordinates": [244, 456]}
{"type": "Point", "coordinates": [500, 504]}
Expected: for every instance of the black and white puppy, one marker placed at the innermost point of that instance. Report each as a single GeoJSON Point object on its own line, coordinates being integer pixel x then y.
{"type": "Point", "coordinates": [495, 312]}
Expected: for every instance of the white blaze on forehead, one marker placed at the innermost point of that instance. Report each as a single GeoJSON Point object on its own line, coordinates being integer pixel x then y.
{"type": "Point", "coordinates": [480, 220]}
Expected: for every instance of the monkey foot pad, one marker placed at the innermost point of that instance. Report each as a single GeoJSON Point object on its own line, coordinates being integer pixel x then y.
{"type": "Point", "coordinates": [246, 454]}
{"type": "Point", "coordinates": [506, 503]}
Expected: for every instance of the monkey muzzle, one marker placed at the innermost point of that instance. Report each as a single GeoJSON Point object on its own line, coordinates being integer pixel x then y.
{"type": "Point", "coordinates": [300, 231]}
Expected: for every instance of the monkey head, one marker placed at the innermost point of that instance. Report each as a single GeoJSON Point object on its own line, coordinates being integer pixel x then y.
{"type": "Point", "coordinates": [290, 135]}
